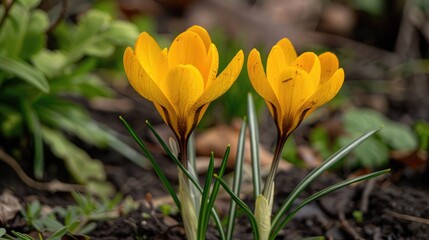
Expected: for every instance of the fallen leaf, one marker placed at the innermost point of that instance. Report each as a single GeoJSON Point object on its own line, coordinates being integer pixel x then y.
{"type": "Point", "coordinates": [311, 158]}
{"type": "Point", "coordinates": [411, 159]}
{"type": "Point", "coordinates": [217, 138]}
{"type": "Point", "coordinates": [9, 206]}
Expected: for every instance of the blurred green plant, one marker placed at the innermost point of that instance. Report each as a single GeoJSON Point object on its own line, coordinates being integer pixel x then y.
{"type": "Point", "coordinates": [76, 220]}
{"type": "Point", "coordinates": [38, 83]}
{"type": "Point", "coordinates": [228, 107]}
{"type": "Point", "coordinates": [422, 130]}
{"type": "Point", "coordinates": [374, 152]}
{"type": "Point", "coordinates": [374, 7]}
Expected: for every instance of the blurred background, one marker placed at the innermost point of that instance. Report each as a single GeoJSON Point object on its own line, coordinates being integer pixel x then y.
{"type": "Point", "coordinates": [62, 86]}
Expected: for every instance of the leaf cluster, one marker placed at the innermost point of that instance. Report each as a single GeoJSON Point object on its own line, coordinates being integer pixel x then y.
{"type": "Point", "coordinates": [373, 153]}
{"type": "Point", "coordinates": [74, 221]}
{"type": "Point", "coordinates": [39, 82]}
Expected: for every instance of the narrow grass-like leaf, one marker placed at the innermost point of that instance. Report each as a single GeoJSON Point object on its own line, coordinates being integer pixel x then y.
{"type": "Point", "coordinates": [315, 173]}
{"type": "Point", "coordinates": [204, 210]}
{"type": "Point", "coordinates": [216, 185]}
{"type": "Point", "coordinates": [191, 177]}
{"type": "Point", "coordinates": [34, 125]}
{"type": "Point", "coordinates": [254, 143]}
{"type": "Point", "coordinates": [155, 165]}
{"type": "Point", "coordinates": [242, 205]}
{"type": "Point", "coordinates": [236, 184]}
{"type": "Point", "coordinates": [320, 194]}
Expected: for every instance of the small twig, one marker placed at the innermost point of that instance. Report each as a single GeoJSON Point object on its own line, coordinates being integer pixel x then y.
{"type": "Point", "coordinates": [152, 212]}
{"type": "Point", "coordinates": [349, 228]}
{"type": "Point", "coordinates": [365, 195]}
{"type": "Point", "coordinates": [53, 186]}
{"type": "Point", "coordinates": [407, 217]}
{"type": "Point", "coordinates": [7, 8]}
{"type": "Point", "coordinates": [60, 17]}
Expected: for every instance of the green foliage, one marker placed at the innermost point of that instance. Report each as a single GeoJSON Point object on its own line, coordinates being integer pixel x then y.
{"type": "Point", "coordinates": [374, 152]}
{"type": "Point", "coordinates": [290, 153]}
{"type": "Point", "coordinates": [74, 220]}
{"type": "Point", "coordinates": [422, 131]}
{"type": "Point", "coordinates": [37, 81]}
{"type": "Point", "coordinates": [374, 7]}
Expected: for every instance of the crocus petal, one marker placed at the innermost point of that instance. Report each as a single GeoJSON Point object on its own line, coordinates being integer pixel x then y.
{"type": "Point", "coordinates": [168, 115]}
{"type": "Point", "coordinates": [149, 55]}
{"type": "Point", "coordinates": [260, 82]}
{"type": "Point", "coordinates": [310, 63]}
{"type": "Point", "coordinates": [275, 63]}
{"type": "Point", "coordinates": [141, 81]}
{"type": "Point", "coordinates": [329, 64]}
{"type": "Point", "coordinates": [326, 91]}
{"type": "Point", "coordinates": [188, 48]}
{"type": "Point", "coordinates": [223, 82]}
{"type": "Point", "coordinates": [288, 51]}
{"type": "Point", "coordinates": [212, 66]}
{"type": "Point", "coordinates": [292, 89]}
{"type": "Point", "coordinates": [185, 86]}
{"type": "Point", "coordinates": [204, 35]}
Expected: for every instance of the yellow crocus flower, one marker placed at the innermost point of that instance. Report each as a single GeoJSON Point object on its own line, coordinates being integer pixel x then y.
{"type": "Point", "coordinates": [294, 86]}
{"type": "Point", "coordinates": [180, 81]}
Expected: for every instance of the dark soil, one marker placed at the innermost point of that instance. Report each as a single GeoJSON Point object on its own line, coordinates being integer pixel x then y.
{"type": "Point", "coordinates": [389, 204]}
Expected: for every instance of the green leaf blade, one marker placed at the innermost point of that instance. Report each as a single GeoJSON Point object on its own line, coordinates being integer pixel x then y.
{"type": "Point", "coordinates": [236, 184]}
{"type": "Point", "coordinates": [254, 143]}
{"type": "Point", "coordinates": [25, 72]}
{"type": "Point", "coordinates": [317, 172]}
{"type": "Point", "coordinates": [322, 193]}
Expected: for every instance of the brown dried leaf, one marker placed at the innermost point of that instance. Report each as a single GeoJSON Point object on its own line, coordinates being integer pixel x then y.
{"type": "Point", "coordinates": [9, 206]}
{"type": "Point", "coordinates": [311, 158]}
{"type": "Point", "coordinates": [413, 159]}
{"type": "Point", "coordinates": [217, 138]}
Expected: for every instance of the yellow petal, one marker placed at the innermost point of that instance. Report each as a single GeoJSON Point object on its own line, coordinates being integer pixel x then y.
{"type": "Point", "coordinates": [185, 86]}
{"type": "Point", "coordinates": [260, 82]}
{"type": "Point", "coordinates": [310, 63]}
{"type": "Point", "coordinates": [204, 35]}
{"type": "Point", "coordinates": [223, 82]}
{"type": "Point", "coordinates": [324, 94]}
{"type": "Point", "coordinates": [201, 111]}
{"type": "Point", "coordinates": [326, 91]}
{"type": "Point", "coordinates": [149, 55]}
{"type": "Point", "coordinates": [329, 64]}
{"type": "Point", "coordinates": [276, 62]}
{"type": "Point", "coordinates": [141, 81]}
{"type": "Point", "coordinates": [292, 88]}
{"type": "Point", "coordinates": [288, 51]}
{"type": "Point", "coordinates": [212, 66]}
{"type": "Point", "coordinates": [188, 48]}
{"type": "Point", "coordinates": [169, 117]}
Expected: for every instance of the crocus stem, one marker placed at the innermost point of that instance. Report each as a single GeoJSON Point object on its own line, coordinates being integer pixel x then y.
{"type": "Point", "coordinates": [274, 165]}
{"type": "Point", "coordinates": [188, 213]}
{"type": "Point", "coordinates": [183, 154]}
